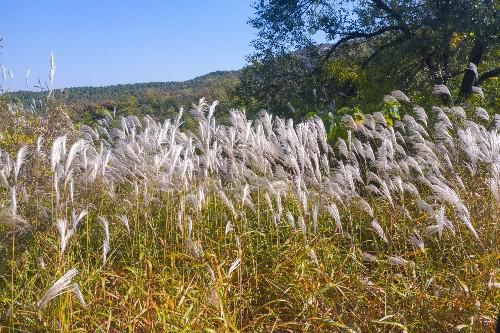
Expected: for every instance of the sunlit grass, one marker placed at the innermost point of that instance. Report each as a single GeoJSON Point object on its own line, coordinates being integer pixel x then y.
{"type": "Point", "coordinates": [204, 252]}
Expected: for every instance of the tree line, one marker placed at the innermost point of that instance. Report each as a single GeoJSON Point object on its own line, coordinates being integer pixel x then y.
{"type": "Point", "coordinates": [329, 56]}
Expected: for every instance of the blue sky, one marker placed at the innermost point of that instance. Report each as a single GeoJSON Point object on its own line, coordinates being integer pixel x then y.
{"type": "Point", "coordinates": [109, 41]}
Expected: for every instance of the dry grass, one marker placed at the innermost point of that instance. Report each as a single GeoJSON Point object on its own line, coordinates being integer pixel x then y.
{"type": "Point", "coordinates": [199, 254]}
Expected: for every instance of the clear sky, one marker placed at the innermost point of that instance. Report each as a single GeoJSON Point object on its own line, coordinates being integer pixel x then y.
{"type": "Point", "coordinates": [103, 42]}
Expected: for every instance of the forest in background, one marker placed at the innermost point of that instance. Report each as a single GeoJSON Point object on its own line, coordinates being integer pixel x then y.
{"type": "Point", "coordinates": [160, 100]}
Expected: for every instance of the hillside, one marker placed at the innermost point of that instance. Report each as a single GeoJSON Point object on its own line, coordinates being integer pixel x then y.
{"type": "Point", "coordinates": [205, 83]}
{"type": "Point", "coordinates": [158, 99]}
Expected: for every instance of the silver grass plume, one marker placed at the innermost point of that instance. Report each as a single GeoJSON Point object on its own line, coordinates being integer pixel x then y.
{"type": "Point", "coordinates": [389, 99]}
{"type": "Point", "coordinates": [189, 226]}
{"type": "Point", "coordinates": [65, 231]}
{"type": "Point", "coordinates": [496, 121]}
{"type": "Point", "coordinates": [334, 213]}
{"type": "Point", "coordinates": [367, 257]}
{"type": "Point", "coordinates": [315, 217]}
{"type": "Point", "coordinates": [445, 193]}
{"type": "Point", "coordinates": [424, 206]}
{"type": "Point", "coordinates": [441, 223]}
{"type": "Point", "coordinates": [312, 254]}
{"type": "Point", "coordinates": [226, 201]}
{"type": "Point", "coordinates": [124, 220]}
{"type": "Point", "coordinates": [77, 147]}
{"type": "Point", "coordinates": [62, 229]}
{"type": "Point", "coordinates": [399, 95]}
{"type": "Point", "coordinates": [302, 225]}
{"type": "Point", "coordinates": [105, 244]}
{"type": "Point", "coordinates": [52, 68]}
{"type": "Point", "coordinates": [397, 261]}
{"type": "Point", "coordinates": [39, 142]}
{"type": "Point", "coordinates": [234, 266]}
{"type": "Point", "coordinates": [58, 151]}
{"type": "Point", "coordinates": [16, 222]}
{"type": "Point", "coordinates": [290, 219]}
{"type": "Point", "coordinates": [62, 285]}
{"type": "Point", "coordinates": [420, 114]}
{"type": "Point", "coordinates": [378, 229]}
{"type": "Point", "coordinates": [78, 293]}
{"type": "Point", "coordinates": [52, 73]}
{"type": "Point", "coordinates": [195, 248]}
{"type": "Point", "coordinates": [20, 160]}
{"type": "Point", "coordinates": [494, 183]}
{"type": "Point", "coordinates": [441, 89]}
{"type": "Point", "coordinates": [27, 78]}
{"type": "Point", "coordinates": [229, 228]}
{"type": "Point", "coordinates": [417, 241]}
{"type": "Point", "coordinates": [472, 67]}
{"type": "Point", "coordinates": [365, 206]}
{"type": "Point", "coordinates": [478, 90]}
{"type": "Point", "coordinates": [482, 114]}
{"type": "Point", "coordinates": [459, 112]}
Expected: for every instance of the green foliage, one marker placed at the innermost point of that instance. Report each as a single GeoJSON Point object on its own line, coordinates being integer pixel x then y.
{"type": "Point", "coordinates": [268, 86]}
{"type": "Point", "coordinates": [391, 112]}
{"type": "Point", "coordinates": [375, 47]}
{"type": "Point", "coordinates": [334, 125]}
{"type": "Point", "coordinates": [160, 100]}
{"type": "Point", "coordinates": [17, 128]}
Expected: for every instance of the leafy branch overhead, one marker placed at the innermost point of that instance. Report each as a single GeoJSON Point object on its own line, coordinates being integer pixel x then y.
{"type": "Point", "coordinates": [408, 42]}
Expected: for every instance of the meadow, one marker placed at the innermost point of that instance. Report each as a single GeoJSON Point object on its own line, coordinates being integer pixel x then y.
{"type": "Point", "coordinates": [259, 225]}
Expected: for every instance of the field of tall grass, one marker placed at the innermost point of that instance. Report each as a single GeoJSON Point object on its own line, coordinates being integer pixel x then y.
{"type": "Point", "coordinates": [257, 226]}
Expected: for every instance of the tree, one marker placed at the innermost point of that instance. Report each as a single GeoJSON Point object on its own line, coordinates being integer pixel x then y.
{"type": "Point", "coordinates": [287, 85]}
{"type": "Point", "coordinates": [432, 41]}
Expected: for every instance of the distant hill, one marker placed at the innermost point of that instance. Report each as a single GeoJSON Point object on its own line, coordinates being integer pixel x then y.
{"type": "Point", "coordinates": [160, 100]}
{"type": "Point", "coordinates": [206, 85]}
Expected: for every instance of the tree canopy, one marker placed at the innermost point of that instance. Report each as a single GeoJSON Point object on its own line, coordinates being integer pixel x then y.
{"type": "Point", "coordinates": [408, 43]}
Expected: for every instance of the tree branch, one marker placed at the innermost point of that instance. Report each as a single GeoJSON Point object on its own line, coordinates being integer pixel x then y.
{"type": "Point", "coordinates": [476, 54]}
{"type": "Point", "coordinates": [488, 75]}
{"type": "Point", "coordinates": [392, 13]}
{"type": "Point", "coordinates": [392, 43]}
{"type": "Point", "coordinates": [353, 36]}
